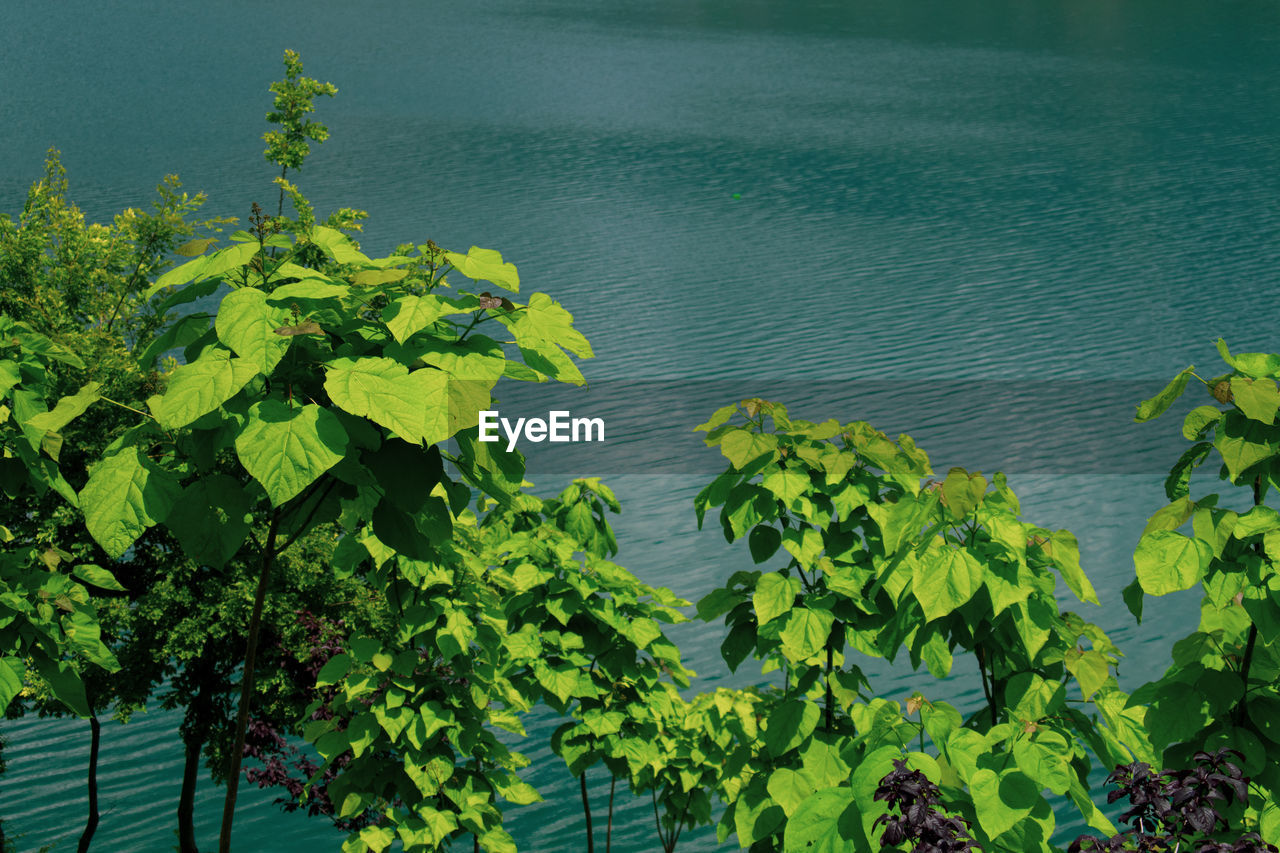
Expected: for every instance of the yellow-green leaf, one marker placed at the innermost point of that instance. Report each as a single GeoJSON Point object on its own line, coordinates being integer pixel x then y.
{"type": "Point", "coordinates": [287, 449]}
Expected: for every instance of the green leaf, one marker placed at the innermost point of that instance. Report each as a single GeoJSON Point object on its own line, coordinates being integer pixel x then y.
{"type": "Point", "coordinates": [286, 449]}
{"type": "Point", "coordinates": [755, 815]}
{"type": "Point", "coordinates": [334, 670]}
{"type": "Point", "coordinates": [935, 652]}
{"type": "Point", "coordinates": [962, 492]}
{"type": "Point", "coordinates": [1032, 620]}
{"type": "Point", "coordinates": [1002, 802]}
{"type": "Point", "coordinates": [184, 331]}
{"type": "Point", "coordinates": [1006, 584]}
{"type": "Point", "coordinates": [413, 406]}
{"type": "Point", "coordinates": [561, 679]}
{"type": "Point", "coordinates": [209, 266]}
{"type": "Point", "coordinates": [1176, 712]}
{"type": "Point", "coordinates": [1256, 364]}
{"type": "Point", "coordinates": [1032, 697]}
{"type": "Point", "coordinates": [1243, 443]}
{"type": "Point", "coordinates": [823, 764]}
{"type": "Point", "coordinates": [944, 578]}
{"type": "Point", "coordinates": [1171, 517]}
{"type": "Point", "coordinates": [85, 638]}
{"type": "Point", "coordinates": [405, 472]}
{"type": "Point", "coordinates": [805, 633]}
{"type": "Point", "coordinates": [1214, 527]}
{"type": "Point", "coordinates": [34, 342]}
{"type": "Point", "coordinates": [1092, 814]}
{"type": "Point", "coordinates": [126, 493]}
{"type": "Point", "coordinates": [549, 361]}
{"type": "Point", "coordinates": [1269, 821]}
{"type": "Point", "coordinates": [1166, 562]}
{"type": "Point", "coordinates": [544, 321]}
{"type": "Point", "coordinates": [486, 265]}
{"type": "Point", "coordinates": [803, 543]}
{"type": "Point", "coordinates": [10, 375]}
{"type": "Point", "coordinates": [1063, 549]}
{"type": "Point", "coordinates": [899, 523]}
{"type": "Point", "coordinates": [378, 838]}
{"type": "Point", "coordinates": [202, 386]}
{"type": "Point", "coordinates": [208, 519]}
{"type": "Point", "coordinates": [774, 596]}
{"type": "Point", "coordinates": [362, 731]}
{"type": "Point", "coordinates": [516, 791]}
{"type": "Point", "coordinates": [67, 410]}
{"type": "Point", "coordinates": [786, 484]}
{"type": "Point", "coordinates": [308, 289]}
{"type": "Point", "coordinates": [1257, 398]}
{"type": "Point", "coordinates": [1089, 668]}
{"type": "Point", "coordinates": [789, 725]}
{"type": "Point", "coordinates": [822, 824]}
{"type": "Point", "coordinates": [97, 576]}
{"type": "Point", "coordinates": [196, 246]}
{"type": "Point", "coordinates": [789, 789]}
{"type": "Point", "coordinates": [743, 447]}
{"type": "Point", "coordinates": [763, 542]}
{"type": "Point", "coordinates": [338, 245]}
{"type": "Point", "coordinates": [719, 417]}
{"type": "Point", "coordinates": [399, 531]}
{"type": "Point", "coordinates": [11, 672]}
{"type": "Point", "coordinates": [873, 767]}
{"type": "Point", "coordinates": [1260, 519]}
{"type": "Point", "coordinates": [409, 315]}
{"type": "Point", "coordinates": [494, 470]}
{"type": "Point", "coordinates": [1178, 483]}
{"type": "Point", "coordinates": [65, 683]}
{"type": "Point", "coordinates": [247, 324]}
{"type": "Point", "coordinates": [476, 359]}
{"type": "Point", "coordinates": [1193, 426]}
{"type": "Point", "coordinates": [1157, 405]}
{"type": "Point", "coordinates": [1132, 595]}
{"type": "Point", "coordinates": [372, 278]}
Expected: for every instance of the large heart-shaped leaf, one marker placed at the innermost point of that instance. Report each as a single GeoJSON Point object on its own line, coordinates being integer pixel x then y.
{"type": "Point", "coordinates": [126, 493]}
{"type": "Point", "coordinates": [247, 324]}
{"type": "Point", "coordinates": [287, 449]}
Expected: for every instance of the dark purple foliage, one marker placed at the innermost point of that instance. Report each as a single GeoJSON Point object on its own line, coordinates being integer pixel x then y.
{"type": "Point", "coordinates": [1170, 808]}
{"type": "Point", "coordinates": [266, 744]}
{"type": "Point", "coordinates": [918, 822]}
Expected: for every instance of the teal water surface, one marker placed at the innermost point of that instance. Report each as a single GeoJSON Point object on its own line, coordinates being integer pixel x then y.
{"type": "Point", "coordinates": [1058, 202]}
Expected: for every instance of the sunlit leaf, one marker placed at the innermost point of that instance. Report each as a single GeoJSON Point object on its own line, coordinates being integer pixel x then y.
{"type": "Point", "coordinates": [286, 449]}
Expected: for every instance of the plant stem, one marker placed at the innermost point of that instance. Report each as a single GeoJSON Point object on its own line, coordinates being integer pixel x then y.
{"type": "Point", "coordinates": [91, 825]}
{"type": "Point", "coordinates": [586, 809]}
{"type": "Point", "coordinates": [246, 686]}
{"type": "Point", "coordinates": [830, 698]}
{"type": "Point", "coordinates": [1240, 712]}
{"type": "Point", "coordinates": [123, 406]}
{"type": "Point", "coordinates": [679, 827]}
{"type": "Point", "coordinates": [986, 689]}
{"type": "Point", "coordinates": [658, 822]}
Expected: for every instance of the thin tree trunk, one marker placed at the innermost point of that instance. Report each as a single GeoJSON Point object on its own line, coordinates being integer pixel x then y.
{"type": "Point", "coordinates": [246, 687]}
{"type": "Point", "coordinates": [91, 825]}
{"type": "Point", "coordinates": [586, 809]}
{"type": "Point", "coordinates": [187, 799]}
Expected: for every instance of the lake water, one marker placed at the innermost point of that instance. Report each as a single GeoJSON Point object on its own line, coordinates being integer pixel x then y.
{"type": "Point", "coordinates": [995, 226]}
